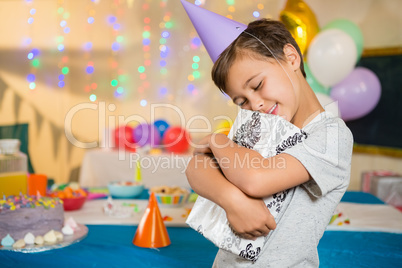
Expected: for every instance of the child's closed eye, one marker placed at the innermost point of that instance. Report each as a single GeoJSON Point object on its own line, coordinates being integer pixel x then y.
{"type": "Point", "coordinates": [242, 103]}
{"type": "Point", "coordinates": [258, 86]}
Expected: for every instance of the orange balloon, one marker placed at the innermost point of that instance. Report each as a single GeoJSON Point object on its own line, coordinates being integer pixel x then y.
{"type": "Point", "coordinates": [301, 22]}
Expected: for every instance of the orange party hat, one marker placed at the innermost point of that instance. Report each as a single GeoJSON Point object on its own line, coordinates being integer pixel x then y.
{"type": "Point", "coordinates": [151, 232]}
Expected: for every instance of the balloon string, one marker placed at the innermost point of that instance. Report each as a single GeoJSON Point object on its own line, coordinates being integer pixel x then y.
{"type": "Point", "coordinates": [270, 51]}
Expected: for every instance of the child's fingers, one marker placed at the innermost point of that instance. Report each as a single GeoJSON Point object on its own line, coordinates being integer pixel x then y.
{"type": "Point", "coordinates": [249, 236]}
{"type": "Point", "coordinates": [271, 224]}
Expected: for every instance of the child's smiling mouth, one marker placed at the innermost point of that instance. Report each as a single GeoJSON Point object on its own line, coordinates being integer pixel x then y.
{"type": "Point", "coordinates": [273, 110]}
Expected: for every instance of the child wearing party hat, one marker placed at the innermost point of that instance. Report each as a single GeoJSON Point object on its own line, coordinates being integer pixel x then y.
{"type": "Point", "coordinates": [260, 67]}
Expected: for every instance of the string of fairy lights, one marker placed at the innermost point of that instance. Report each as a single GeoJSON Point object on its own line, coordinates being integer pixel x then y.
{"type": "Point", "coordinates": [33, 54]}
{"type": "Point", "coordinates": [195, 45]}
{"type": "Point", "coordinates": [151, 39]}
{"type": "Point", "coordinates": [117, 40]}
{"type": "Point", "coordinates": [146, 47]}
{"type": "Point", "coordinates": [165, 25]}
{"type": "Point", "coordinates": [91, 85]}
{"type": "Point", "coordinates": [63, 16]}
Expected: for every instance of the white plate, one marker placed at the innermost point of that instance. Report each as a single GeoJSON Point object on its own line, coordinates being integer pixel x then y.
{"type": "Point", "coordinates": [79, 234]}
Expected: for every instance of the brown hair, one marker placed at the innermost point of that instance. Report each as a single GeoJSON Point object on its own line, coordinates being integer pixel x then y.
{"type": "Point", "coordinates": [271, 32]}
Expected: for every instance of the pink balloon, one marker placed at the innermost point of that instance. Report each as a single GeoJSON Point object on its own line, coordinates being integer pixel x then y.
{"type": "Point", "coordinates": [358, 94]}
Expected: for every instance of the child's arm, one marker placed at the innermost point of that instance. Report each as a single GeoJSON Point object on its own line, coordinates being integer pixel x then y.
{"type": "Point", "coordinates": [250, 172]}
{"type": "Point", "coordinates": [248, 216]}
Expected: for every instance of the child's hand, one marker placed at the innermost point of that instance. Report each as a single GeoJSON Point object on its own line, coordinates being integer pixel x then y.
{"type": "Point", "coordinates": [203, 146]}
{"type": "Point", "coordinates": [249, 217]}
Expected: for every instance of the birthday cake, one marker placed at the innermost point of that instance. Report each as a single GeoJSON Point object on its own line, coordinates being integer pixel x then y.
{"type": "Point", "coordinates": [20, 215]}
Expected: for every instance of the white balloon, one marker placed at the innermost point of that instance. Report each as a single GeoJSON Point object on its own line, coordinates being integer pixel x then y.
{"type": "Point", "coordinates": [331, 56]}
{"type": "Point", "coordinates": [329, 104]}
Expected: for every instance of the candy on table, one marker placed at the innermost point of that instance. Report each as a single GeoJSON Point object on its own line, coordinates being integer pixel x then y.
{"type": "Point", "coordinates": [67, 230]}
{"type": "Point", "coordinates": [19, 244]}
{"type": "Point", "coordinates": [29, 239]}
{"type": "Point", "coordinates": [71, 222]}
{"type": "Point", "coordinates": [123, 210]}
{"type": "Point", "coordinates": [7, 241]}
{"type": "Point", "coordinates": [133, 205]}
{"type": "Point", "coordinates": [59, 236]}
{"type": "Point", "coordinates": [39, 240]}
{"type": "Point", "coordinates": [50, 237]}
{"type": "Point", "coordinates": [339, 219]}
{"type": "Point", "coordinates": [167, 218]}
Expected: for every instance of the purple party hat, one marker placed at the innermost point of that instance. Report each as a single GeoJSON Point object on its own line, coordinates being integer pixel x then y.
{"type": "Point", "coordinates": [216, 32]}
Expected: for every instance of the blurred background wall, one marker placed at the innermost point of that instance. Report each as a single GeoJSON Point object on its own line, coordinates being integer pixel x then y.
{"type": "Point", "coordinates": [98, 63]}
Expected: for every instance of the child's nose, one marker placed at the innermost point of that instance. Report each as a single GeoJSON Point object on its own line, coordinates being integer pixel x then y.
{"type": "Point", "coordinates": [257, 104]}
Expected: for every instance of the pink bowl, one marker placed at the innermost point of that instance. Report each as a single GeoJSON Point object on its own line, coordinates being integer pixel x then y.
{"type": "Point", "coordinates": [73, 203]}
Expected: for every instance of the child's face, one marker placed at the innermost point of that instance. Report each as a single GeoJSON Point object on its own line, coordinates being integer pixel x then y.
{"type": "Point", "coordinates": [263, 86]}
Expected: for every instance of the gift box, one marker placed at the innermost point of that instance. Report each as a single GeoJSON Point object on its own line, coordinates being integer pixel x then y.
{"type": "Point", "coordinates": [388, 189]}
{"type": "Point", "coordinates": [368, 175]}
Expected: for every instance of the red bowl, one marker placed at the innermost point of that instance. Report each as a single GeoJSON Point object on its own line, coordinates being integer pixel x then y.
{"type": "Point", "coordinates": [73, 203]}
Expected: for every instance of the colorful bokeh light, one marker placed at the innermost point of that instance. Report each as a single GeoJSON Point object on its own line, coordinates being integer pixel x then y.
{"type": "Point", "coordinates": [163, 91]}
{"type": "Point", "coordinates": [61, 84]}
{"type": "Point", "coordinates": [90, 69]}
{"type": "Point", "coordinates": [115, 46]}
{"type": "Point", "coordinates": [141, 69]}
{"type": "Point", "coordinates": [65, 70]}
{"type": "Point", "coordinates": [114, 82]}
{"type": "Point", "coordinates": [30, 77]}
{"type": "Point", "coordinates": [92, 97]}
{"type": "Point", "coordinates": [32, 85]}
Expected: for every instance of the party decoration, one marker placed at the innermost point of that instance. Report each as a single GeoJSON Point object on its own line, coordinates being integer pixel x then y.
{"type": "Point", "coordinates": [357, 94]}
{"type": "Point", "coordinates": [146, 134]}
{"type": "Point", "coordinates": [331, 56]}
{"type": "Point", "coordinates": [151, 231]}
{"type": "Point", "coordinates": [301, 22]}
{"type": "Point", "coordinates": [216, 32]}
{"type": "Point", "coordinates": [351, 29]}
{"type": "Point", "coordinates": [123, 138]}
{"type": "Point", "coordinates": [314, 84]}
{"type": "Point", "coordinates": [329, 104]}
{"type": "Point", "coordinates": [176, 140]}
{"type": "Point", "coordinates": [162, 126]}
{"type": "Point", "coordinates": [138, 177]}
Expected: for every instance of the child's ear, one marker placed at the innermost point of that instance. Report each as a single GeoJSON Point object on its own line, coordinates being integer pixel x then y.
{"type": "Point", "coordinates": [292, 57]}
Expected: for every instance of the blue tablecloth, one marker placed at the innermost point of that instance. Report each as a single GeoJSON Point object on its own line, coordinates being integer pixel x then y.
{"type": "Point", "coordinates": [111, 246]}
{"type": "Point", "coordinates": [361, 198]}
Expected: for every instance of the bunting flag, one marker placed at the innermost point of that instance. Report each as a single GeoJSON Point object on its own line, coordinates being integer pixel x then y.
{"type": "Point", "coordinates": [56, 133]}
{"type": "Point", "coordinates": [17, 104]}
{"type": "Point", "coordinates": [70, 147]}
{"type": "Point", "coordinates": [38, 121]}
{"type": "Point", "coordinates": [3, 87]}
